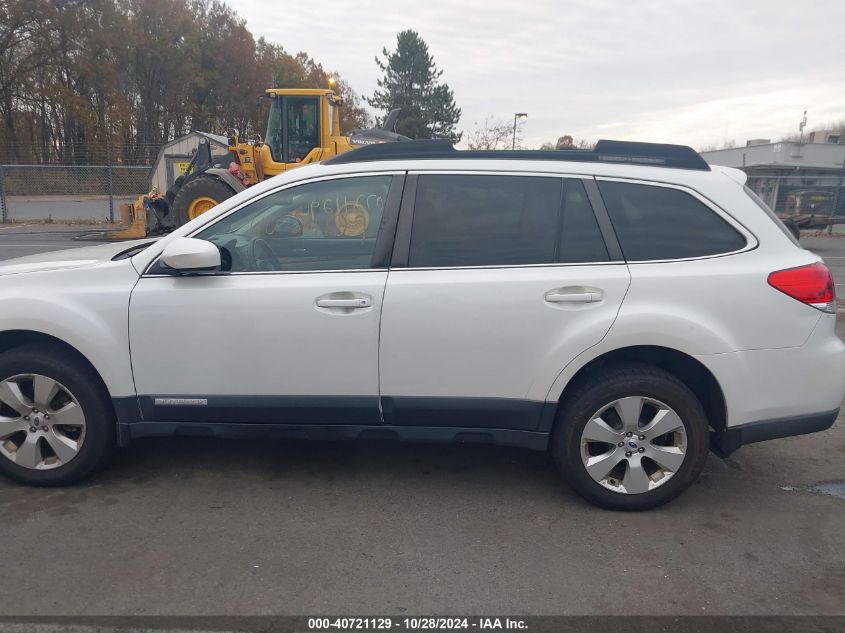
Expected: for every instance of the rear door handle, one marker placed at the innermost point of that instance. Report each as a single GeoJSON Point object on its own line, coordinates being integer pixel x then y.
{"type": "Point", "coordinates": [358, 302]}
{"type": "Point", "coordinates": [556, 296]}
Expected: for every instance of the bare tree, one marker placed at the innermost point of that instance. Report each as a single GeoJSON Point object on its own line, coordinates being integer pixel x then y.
{"type": "Point", "coordinates": [568, 142]}
{"type": "Point", "coordinates": [493, 134]}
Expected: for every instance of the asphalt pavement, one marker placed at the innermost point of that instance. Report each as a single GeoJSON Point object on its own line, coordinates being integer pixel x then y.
{"type": "Point", "coordinates": [18, 240]}
{"type": "Point", "coordinates": [201, 526]}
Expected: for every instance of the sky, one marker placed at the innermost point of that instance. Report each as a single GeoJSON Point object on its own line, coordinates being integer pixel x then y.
{"type": "Point", "coordinates": [696, 72]}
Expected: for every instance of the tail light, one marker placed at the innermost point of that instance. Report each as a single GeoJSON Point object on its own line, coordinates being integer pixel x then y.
{"type": "Point", "coordinates": [812, 284]}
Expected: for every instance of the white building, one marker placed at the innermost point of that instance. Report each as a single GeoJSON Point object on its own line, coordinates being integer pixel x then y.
{"type": "Point", "coordinates": [174, 156]}
{"type": "Point", "coordinates": [791, 177]}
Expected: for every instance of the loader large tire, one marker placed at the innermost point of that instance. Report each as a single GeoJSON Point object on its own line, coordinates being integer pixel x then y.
{"type": "Point", "coordinates": [198, 196]}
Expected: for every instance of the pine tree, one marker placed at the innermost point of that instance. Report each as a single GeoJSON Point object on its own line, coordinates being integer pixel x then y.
{"type": "Point", "coordinates": [411, 82]}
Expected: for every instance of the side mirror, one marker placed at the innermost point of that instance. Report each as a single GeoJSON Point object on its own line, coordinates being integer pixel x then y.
{"type": "Point", "coordinates": [190, 255]}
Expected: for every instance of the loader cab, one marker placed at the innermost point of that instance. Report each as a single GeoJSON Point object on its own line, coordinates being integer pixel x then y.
{"type": "Point", "coordinates": [300, 127]}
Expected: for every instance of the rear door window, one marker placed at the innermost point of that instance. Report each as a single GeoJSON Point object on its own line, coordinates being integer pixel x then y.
{"type": "Point", "coordinates": [475, 220]}
{"type": "Point", "coordinates": [655, 223]}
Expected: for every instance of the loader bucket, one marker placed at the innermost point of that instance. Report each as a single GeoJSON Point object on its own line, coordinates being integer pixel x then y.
{"type": "Point", "coordinates": [133, 217]}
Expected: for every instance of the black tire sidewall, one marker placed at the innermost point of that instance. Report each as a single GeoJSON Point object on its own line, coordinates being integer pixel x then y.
{"type": "Point", "coordinates": [605, 388]}
{"type": "Point", "coordinates": [100, 425]}
{"type": "Point", "coordinates": [199, 186]}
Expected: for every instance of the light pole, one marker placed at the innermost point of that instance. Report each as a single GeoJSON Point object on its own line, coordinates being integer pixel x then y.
{"type": "Point", "coordinates": [517, 115]}
{"type": "Point", "coordinates": [836, 196]}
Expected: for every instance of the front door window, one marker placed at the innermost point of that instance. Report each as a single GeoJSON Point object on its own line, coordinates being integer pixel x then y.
{"type": "Point", "coordinates": [326, 225]}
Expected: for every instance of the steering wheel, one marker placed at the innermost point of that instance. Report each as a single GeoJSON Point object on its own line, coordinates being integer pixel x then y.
{"type": "Point", "coordinates": [261, 255]}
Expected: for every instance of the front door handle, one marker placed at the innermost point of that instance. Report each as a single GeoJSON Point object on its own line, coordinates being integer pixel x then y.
{"type": "Point", "coordinates": [357, 302]}
{"type": "Point", "coordinates": [562, 296]}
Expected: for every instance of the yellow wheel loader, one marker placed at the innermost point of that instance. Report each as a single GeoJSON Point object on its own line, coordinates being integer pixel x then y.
{"type": "Point", "coordinates": [303, 127]}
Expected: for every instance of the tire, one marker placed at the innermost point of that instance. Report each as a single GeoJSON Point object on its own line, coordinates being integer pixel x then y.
{"type": "Point", "coordinates": [650, 484]}
{"type": "Point", "coordinates": [200, 188]}
{"type": "Point", "coordinates": [79, 392]}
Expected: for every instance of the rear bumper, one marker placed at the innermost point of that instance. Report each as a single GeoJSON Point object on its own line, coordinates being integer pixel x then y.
{"type": "Point", "coordinates": [775, 384]}
{"type": "Point", "coordinates": [727, 441]}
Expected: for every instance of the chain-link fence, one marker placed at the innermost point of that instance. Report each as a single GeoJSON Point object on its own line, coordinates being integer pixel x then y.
{"type": "Point", "coordinates": [69, 193]}
{"type": "Point", "coordinates": [801, 194]}
{"type": "Point", "coordinates": [90, 193]}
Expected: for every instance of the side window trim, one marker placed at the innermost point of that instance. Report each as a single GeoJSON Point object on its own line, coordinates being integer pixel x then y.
{"type": "Point", "coordinates": [386, 236]}
{"type": "Point", "coordinates": [751, 241]}
{"type": "Point", "coordinates": [402, 243]}
{"type": "Point", "coordinates": [614, 250]}
{"type": "Point", "coordinates": [561, 209]}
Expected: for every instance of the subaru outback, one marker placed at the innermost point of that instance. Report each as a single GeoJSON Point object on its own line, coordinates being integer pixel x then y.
{"type": "Point", "coordinates": [627, 308]}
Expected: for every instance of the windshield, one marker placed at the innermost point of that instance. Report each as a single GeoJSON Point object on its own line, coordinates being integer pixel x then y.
{"type": "Point", "coordinates": [303, 122]}
{"type": "Point", "coordinates": [273, 138]}
{"type": "Point", "coordinates": [301, 115]}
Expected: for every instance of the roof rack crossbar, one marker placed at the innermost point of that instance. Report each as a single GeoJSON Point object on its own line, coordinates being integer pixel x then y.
{"type": "Point", "coordinates": [625, 152]}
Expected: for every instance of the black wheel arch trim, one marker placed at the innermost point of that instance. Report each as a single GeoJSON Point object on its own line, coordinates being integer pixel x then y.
{"type": "Point", "coordinates": [731, 438]}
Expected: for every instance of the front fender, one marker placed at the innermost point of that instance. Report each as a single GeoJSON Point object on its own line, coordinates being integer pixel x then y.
{"type": "Point", "coordinates": [222, 174]}
{"type": "Point", "coordinates": [86, 308]}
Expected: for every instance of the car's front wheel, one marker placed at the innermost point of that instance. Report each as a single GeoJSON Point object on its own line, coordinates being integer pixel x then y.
{"type": "Point", "coordinates": [630, 437]}
{"type": "Point", "coordinates": [56, 424]}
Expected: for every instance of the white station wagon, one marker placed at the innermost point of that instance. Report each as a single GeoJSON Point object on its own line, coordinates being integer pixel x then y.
{"type": "Point", "coordinates": [625, 308]}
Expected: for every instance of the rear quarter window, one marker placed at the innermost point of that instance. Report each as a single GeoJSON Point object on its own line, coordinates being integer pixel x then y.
{"type": "Point", "coordinates": [774, 218]}
{"type": "Point", "coordinates": [655, 223]}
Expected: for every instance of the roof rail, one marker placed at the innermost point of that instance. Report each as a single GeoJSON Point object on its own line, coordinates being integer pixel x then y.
{"type": "Point", "coordinates": [654, 154]}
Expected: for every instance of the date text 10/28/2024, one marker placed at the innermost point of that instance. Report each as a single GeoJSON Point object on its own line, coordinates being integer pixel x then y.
{"type": "Point", "coordinates": [415, 624]}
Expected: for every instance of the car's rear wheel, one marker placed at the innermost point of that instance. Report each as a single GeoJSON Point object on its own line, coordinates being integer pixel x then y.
{"type": "Point", "coordinates": [56, 423]}
{"type": "Point", "coordinates": [630, 437]}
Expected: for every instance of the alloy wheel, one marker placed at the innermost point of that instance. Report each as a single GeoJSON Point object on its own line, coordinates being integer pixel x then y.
{"type": "Point", "coordinates": [42, 425]}
{"type": "Point", "coordinates": [633, 445]}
